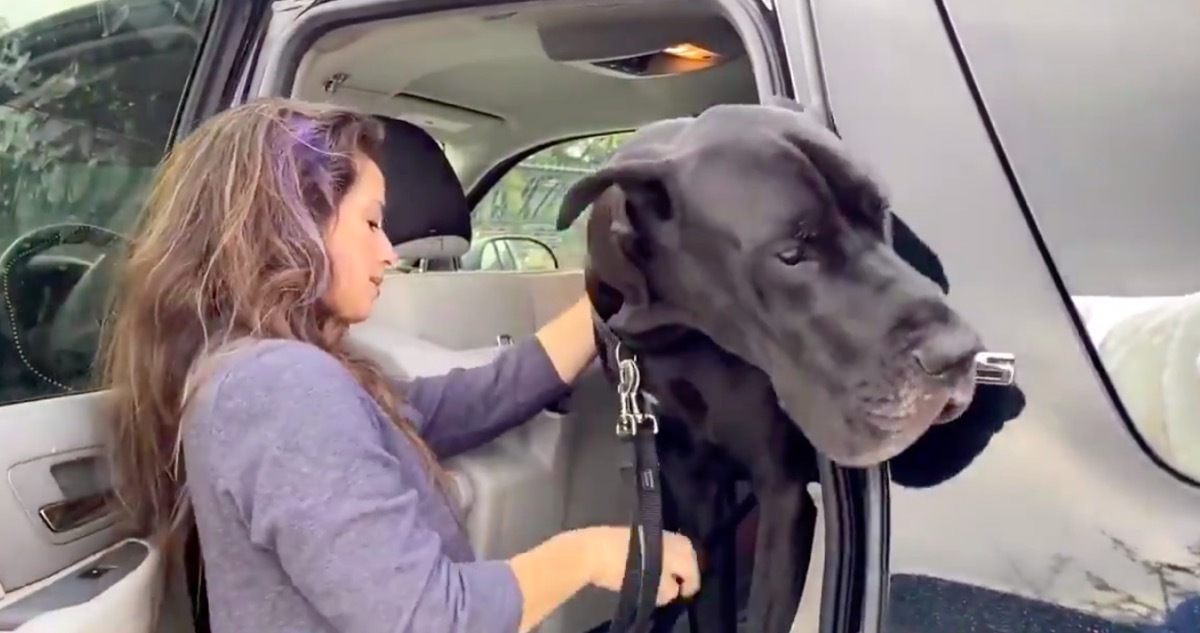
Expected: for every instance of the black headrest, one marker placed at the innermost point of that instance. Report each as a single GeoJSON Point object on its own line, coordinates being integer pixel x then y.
{"type": "Point", "coordinates": [427, 215]}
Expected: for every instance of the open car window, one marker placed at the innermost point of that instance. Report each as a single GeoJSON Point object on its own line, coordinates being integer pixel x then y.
{"type": "Point", "coordinates": [524, 204]}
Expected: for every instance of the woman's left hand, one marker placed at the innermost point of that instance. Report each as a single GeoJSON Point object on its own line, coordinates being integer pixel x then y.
{"type": "Point", "coordinates": [568, 340]}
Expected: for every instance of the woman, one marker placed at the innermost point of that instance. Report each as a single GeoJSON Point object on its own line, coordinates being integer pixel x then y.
{"type": "Point", "coordinates": [314, 479]}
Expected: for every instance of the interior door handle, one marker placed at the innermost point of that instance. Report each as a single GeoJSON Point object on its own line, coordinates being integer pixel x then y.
{"type": "Point", "coordinates": [69, 514]}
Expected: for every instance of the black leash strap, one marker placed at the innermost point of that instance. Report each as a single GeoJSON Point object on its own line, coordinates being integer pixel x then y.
{"type": "Point", "coordinates": [722, 536]}
{"type": "Point", "coordinates": [643, 566]}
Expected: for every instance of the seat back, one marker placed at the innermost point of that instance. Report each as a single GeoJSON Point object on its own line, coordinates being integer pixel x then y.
{"type": "Point", "coordinates": [469, 309]}
{"type": "Point", "coordinates": [426, 214]}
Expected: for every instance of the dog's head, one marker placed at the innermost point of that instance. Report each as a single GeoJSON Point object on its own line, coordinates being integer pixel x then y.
{"type": "Point", "coordinates": [752, 225]}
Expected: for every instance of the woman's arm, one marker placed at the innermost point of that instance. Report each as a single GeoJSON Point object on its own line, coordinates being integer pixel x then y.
{"type": "Point", "coordinates": [568, 340]}
{"type": "Point", "coordinates": [302, 459]}
{"type": "Point", "coordinates": [545, 581]}
{"type": "Point", "coordinates": [465, 408]}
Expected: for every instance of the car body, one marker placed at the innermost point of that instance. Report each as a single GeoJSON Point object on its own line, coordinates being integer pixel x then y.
{"type": "Point", "coordinates": [1046, 150]}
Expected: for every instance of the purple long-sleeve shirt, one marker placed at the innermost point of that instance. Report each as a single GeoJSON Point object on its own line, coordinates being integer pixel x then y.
{"type": "Point", "coordinates": [316, 515]}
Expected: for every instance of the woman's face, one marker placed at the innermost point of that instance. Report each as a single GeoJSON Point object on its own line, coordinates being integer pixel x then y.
{"type": "Point", "coordinates": [358, 249]}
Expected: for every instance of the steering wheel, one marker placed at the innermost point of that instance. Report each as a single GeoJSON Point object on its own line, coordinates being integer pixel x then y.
{"type": "Point", "coordinates": [20, 252]}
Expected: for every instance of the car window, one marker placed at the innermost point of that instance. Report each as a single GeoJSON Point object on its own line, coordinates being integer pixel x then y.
{"type": "Point", "coordinates": [88, 95]}
{"type": "Point", "coordinates": [493, 258]}
{"type": "Point", "coordinates": [524, 203]}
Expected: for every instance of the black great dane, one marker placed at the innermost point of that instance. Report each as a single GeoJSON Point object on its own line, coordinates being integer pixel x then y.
{"type": "Point", "coordinates": [774, 306]}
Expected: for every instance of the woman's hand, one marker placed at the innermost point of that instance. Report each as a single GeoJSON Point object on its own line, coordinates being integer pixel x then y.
{"type": "Point", "coordinates": [549, 574]}
{"type": "Point", "coordinates": [568, 340]}
{"type": "Point", "coordinates": [607, 547]}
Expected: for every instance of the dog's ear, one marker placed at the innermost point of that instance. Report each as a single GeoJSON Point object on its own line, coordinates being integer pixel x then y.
{"type": "Point", "coordinates": [585, 191]}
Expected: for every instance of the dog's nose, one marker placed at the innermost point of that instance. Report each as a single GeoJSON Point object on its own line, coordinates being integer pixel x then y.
{"type": "Point", "coordinates": [947, 351]}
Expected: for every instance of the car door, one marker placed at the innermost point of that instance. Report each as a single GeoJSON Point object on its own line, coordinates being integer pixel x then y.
{"type": "Point", "coordinates": [1047, 151]}
{"type": "Point", "coordinates": [91, 95]}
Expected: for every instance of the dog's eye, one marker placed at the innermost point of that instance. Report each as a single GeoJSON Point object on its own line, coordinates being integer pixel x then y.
{"type": "Point", "coordinates": [796, 249]}
{"type": "Point", "coordinates": [792, 255]}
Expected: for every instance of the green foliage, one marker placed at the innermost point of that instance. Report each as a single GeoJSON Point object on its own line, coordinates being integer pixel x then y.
{"type": "Point", "coordinates": [54, 165]}
{"type": "Point", "coordinates": [526, 200]}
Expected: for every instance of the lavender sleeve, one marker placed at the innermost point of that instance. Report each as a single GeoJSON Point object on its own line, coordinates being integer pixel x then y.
{"type": "Point", "coordinates": [466, 408]}
{"type": "Point", "coordinates": [303, 459]}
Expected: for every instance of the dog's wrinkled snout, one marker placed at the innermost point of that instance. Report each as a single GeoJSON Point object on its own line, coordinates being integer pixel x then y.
{"type": "Point", "coordinates": [947, 353]}
{"type": "Point", "coordinates": [947, 358]}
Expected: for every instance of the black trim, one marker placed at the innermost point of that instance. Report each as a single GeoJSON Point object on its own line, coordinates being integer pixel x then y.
{"type": "Point", "coordinates": [230, 45]}
{"type": "Point", "coordinates": [881, 567]}
{"type": "Point", "coordinates": [845, 581]}
{"type": "Point", "coordinates": [776, 31]}
{"type": "Point", "coordinates": [1060, 285]}
{"type": "Point", "coordinates": [845, 590]}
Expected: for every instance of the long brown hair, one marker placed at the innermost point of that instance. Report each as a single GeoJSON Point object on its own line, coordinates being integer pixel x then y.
{"type": "Point", "coordinates": [228, 248]}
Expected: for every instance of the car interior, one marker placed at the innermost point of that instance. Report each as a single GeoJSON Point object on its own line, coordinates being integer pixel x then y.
{"type": "Point", "coordinates": [465, 95]}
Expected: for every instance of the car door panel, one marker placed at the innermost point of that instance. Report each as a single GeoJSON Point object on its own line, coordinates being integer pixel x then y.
{"type": "Point", "coordinates": [45, 531]}
{"type": "Point", "coordinates": [985, 120]}
{"type": "Point", "coordinates": [114, 585]}
{"type": "Point", "coordinates": [39, 440]}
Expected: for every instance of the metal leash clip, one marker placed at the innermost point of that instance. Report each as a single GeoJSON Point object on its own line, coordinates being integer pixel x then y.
{"type": "Point", "coordinates": [995, 368]}
{"type": "Point", "coordinates": [629, 383]}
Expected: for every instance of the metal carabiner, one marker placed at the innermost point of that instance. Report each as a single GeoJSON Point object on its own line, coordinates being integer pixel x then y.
{"type": "Point", "coordinates": [629, 385]}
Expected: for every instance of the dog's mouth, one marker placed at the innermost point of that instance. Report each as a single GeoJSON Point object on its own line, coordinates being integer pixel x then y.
{"type": "Point", "coordinates": [892, 426]}
{"type": "Point", "coordinates": [875, 430]}
{"type": "Point", "coordinates": [915, 403]}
